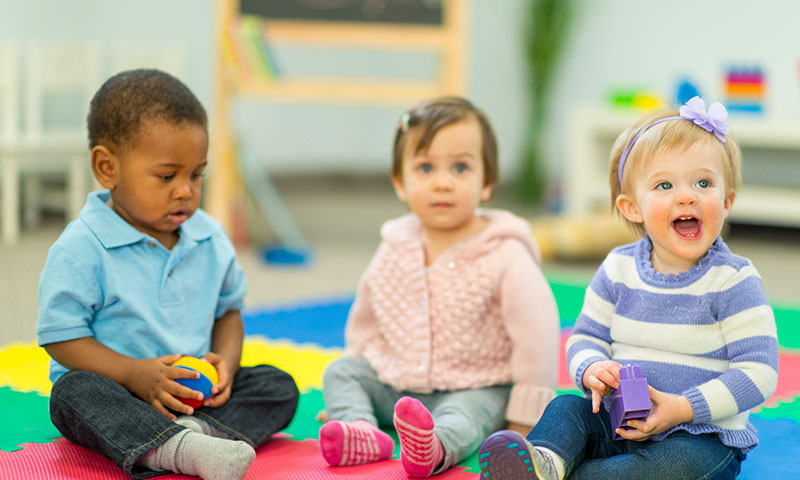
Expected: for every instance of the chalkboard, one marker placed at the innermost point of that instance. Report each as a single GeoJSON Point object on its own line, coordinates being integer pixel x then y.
{"type": "Point", "coordinates": [425, 12]}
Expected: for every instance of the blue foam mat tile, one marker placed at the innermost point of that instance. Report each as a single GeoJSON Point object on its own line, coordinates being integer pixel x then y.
{"type": "Point", "coordinates": [321, 323]}
{"type": "Point", "coordinates": [777, 452]}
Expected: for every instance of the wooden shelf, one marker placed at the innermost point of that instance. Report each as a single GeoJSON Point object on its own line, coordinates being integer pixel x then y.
{"type": "Point", "coordinates": [447, 41]}
{"type": "Point", "coordinates": [592, 134]}
{"type": "Point", "coordinates": [332, 90]}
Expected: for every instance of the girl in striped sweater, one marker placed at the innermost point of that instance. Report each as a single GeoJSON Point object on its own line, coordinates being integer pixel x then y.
{"type": "Point", "coordinates": [679, 304]}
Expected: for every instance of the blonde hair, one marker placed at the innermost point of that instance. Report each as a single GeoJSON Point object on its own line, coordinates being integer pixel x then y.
{"type": "Point", "coordinates": [670, 135]}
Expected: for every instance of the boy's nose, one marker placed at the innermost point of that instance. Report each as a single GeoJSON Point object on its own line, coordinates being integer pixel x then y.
{"type": "Point", "coordinates": [183, 191]}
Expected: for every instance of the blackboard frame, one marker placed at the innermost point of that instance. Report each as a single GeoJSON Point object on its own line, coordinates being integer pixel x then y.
{"type": "Point", "coordinates": [414, 12]}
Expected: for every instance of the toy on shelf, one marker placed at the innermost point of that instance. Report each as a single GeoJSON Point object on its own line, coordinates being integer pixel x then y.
{"type": "Point", "coordinates": [204, 384]}
{"type": "Point", "coordinates": [744, 89]}
{"type": "Point", "coordinates": [686, 91]}
{"type": "Point", "coordinates": [642, 100]}
{"type": "Point", "coordinates": [631, 401]}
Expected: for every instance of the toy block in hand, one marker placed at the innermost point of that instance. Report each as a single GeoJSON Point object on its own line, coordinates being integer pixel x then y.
{"type": "Point", "coordinates": [631, 401]}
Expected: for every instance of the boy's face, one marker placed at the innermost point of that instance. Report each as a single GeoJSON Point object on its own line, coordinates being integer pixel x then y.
{"type": "Point", "coordinates": [444, 185]}
{"type": "Point", "coordinates": [681, 198]}
{"type": "Point", "coordinates": [157, 183]}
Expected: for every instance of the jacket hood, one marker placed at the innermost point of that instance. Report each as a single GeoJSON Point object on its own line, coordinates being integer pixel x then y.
{"type": "Point", "coordinates": [501, 225]}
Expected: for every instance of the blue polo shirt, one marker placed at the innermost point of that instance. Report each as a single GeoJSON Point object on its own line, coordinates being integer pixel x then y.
{"type": "Point", "coordinates": [105, 279]}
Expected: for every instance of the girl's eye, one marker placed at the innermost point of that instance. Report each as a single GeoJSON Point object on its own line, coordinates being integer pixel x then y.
{"type": "Point", "coordinates": [703, 184]}
{"type": "Point", "coordinates": [664, 186]}
{"type": "Point", "coordinates": [424, 167]}
{"type": "Point", "coordinates": [166, 177]}
{"type": "Point", "coordinates": [460, 167]}
{"type": "Point", "coordinates": [198, 175]}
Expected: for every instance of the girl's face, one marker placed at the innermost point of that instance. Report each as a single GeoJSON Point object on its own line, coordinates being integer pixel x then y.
{"type": "Point", "coordinates": [680, 197]}
{"type": "Point", "coordinates": [157, 183]}
{"type": "Point", "coordinates": [445, 184]}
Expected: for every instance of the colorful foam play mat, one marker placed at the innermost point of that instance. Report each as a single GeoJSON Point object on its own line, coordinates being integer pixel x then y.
{"type": "Point", "coordinates": [301, 339]}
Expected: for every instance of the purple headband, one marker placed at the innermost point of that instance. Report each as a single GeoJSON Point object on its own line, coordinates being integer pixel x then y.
{"type": "Point", "coordinates": [695, 111]}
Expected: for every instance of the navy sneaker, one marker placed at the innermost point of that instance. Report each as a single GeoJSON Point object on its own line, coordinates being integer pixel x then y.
{"type": "Point", "coordinates": [506, 455]}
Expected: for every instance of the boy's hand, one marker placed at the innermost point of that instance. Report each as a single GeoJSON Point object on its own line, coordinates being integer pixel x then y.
{"type": "Point", "coordinates": [667, 411]}
{"type": "Point", "coordinates": [222, 390]}
{"type": "Point", "coordinates": [153, 380]}
{"type": "Point", "coordinates": [601, 377]}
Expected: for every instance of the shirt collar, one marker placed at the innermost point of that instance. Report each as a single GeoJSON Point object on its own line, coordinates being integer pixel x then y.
{"type": "Point", "coordinates": [113, 231]}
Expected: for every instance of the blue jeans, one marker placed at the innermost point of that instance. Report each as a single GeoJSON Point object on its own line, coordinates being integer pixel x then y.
{"type": "Point", "coordinates": [462, 418]}
{"type": "Point", "coordinates": [584, 440]}
{"type": "Point", "coordinates": [98, 413]}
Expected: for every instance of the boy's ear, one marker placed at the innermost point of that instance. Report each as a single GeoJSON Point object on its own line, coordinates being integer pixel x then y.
{"type": "Point", "coordinates": [628, 208]}
{"type": "Point", "coordinates": [399, 189]}
{"type": "Point", "coordinates": [105, 166]}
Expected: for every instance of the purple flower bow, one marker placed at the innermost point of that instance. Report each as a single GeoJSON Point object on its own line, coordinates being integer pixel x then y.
{"type": "Point", "coordinates": [712, 121]}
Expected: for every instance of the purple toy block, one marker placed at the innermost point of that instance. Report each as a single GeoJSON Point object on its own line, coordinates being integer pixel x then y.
{"type": "Point", "coordinates": [631, 401]}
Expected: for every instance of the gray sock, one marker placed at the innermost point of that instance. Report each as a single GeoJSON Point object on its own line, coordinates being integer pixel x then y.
{"type": "Point", "coordinates": [192, 453]}
{"type": "Point", "coordinates": [201, 426]}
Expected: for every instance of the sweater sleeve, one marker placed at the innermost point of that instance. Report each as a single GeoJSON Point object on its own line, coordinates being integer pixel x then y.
{"type": "Point", "coordinates": [747, 324]}
{"type": "Point", "coordinates": [590, 340]}
{"type": "Point", "coordinates": [530, 317]}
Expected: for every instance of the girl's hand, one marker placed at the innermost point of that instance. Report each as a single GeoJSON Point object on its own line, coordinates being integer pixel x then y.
{"type": "Point", "coordinates": [668, 411]}
{"type": "Point", "coordinates": [222, 390]}
{"type": "Point", "coordinates": [519, 428]}
{"type": "Point", "coordinates": [153, 380]}
{"type": "Point", "coordinates": [601, 377]}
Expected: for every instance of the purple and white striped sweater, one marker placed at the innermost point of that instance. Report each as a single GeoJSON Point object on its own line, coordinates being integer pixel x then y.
{"type": "Point", "coordinates": [708, 334]}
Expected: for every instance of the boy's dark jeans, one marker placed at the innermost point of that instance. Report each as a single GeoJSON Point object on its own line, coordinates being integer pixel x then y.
{"type": "Point", "coordinates": [97, 412]}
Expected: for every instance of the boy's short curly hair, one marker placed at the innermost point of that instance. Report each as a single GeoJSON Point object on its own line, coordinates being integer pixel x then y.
{"type": "Point", "coordinates": [128, 99]}
{"type": "Point", "coordinates": [431, 116]}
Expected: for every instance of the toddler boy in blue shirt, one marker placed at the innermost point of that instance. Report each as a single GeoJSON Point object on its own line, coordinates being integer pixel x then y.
{"type": "Point", "coordinates": [142, 277]}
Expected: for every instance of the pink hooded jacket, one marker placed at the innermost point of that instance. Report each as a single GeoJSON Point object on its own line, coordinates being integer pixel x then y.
{"type": "Point", "coordinates": [481, 314]}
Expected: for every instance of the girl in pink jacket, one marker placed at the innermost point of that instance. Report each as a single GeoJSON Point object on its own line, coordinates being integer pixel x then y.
{"type": "Point", "coordinates": [454, 331]}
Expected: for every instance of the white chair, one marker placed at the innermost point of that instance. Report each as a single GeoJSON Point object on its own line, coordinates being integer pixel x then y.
{"type": "Point", "coordinates": [60, 81]}
{"type": "Point", "coordinates": [9, 136]}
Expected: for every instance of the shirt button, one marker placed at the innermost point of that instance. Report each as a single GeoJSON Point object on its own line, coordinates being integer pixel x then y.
{"type": "Point", "coordinates": [451, 265]}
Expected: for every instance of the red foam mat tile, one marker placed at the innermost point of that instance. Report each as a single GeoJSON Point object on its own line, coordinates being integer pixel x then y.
{"type": "Point", "coordinates": [279, 459]}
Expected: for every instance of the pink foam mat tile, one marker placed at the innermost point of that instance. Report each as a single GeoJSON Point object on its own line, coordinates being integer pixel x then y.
{"type": "Point", "coordinates": [279, 459]}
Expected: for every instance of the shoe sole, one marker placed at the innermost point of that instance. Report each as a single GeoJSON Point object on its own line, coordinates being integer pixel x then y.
{"type": "Point", "coordinates": [504, 455]}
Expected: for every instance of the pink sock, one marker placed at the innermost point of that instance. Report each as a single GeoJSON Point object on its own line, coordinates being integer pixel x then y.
{"type": "Point", "coordinates": [354, 443]}
{"type": "Point", "coordinates": [420, 448]}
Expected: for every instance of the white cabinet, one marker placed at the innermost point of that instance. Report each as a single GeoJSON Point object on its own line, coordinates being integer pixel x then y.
{"type": "Point", "coordinates": [771, 157]}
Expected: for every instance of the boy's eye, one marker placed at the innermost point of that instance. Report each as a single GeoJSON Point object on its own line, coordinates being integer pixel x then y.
{"type": "Point", "coordinates": [460, 167]}
{"type": "Point", "coordinates": [664, 186]}
{"type": "Point", "coordinates": [166, 177]}
{"type": "Point", "coordinates": [703, 184]}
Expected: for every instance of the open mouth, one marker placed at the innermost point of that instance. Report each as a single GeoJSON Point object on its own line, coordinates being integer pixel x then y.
{"type": "Point", "coordinates": [687, 227]}
{"type": "Point", "coordinates": [178, 216]}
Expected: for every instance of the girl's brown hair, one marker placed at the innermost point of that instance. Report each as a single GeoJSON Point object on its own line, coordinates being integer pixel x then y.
{"type": "Point", "coordinates": [430, 116]}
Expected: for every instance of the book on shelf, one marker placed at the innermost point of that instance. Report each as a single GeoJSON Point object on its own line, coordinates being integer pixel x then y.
{"type": "Point", "coordinates": [247, 53]}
